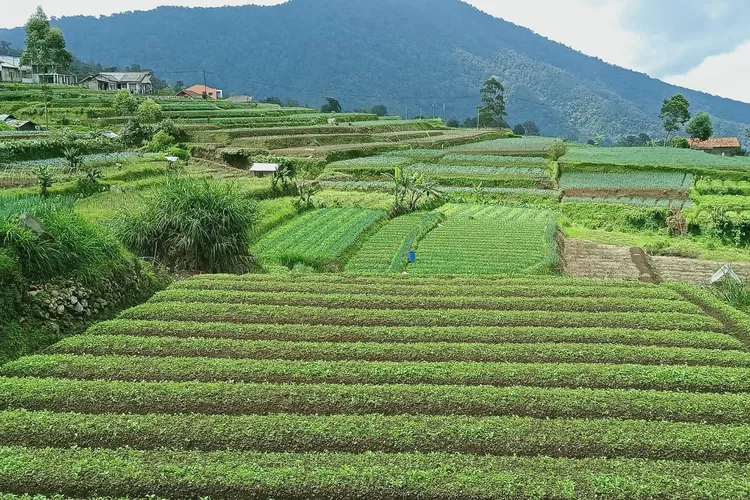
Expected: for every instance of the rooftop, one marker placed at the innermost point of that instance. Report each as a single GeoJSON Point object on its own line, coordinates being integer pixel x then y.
{"type": "Point", "coordinates": [264, 167]}
{"type": "Point", "coordinates": [715, 143]}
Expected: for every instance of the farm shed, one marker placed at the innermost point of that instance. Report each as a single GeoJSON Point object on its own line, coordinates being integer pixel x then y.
{"type": "Point", "coordinates": [23, 125]}
{"type": "Point", "coordinates": [264, 169]}
{"type": "Point", "coordinates": [723, 146]}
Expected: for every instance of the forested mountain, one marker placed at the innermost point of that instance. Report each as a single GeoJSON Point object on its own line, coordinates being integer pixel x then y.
{"type": "Point", "coordinates": [417, 53]}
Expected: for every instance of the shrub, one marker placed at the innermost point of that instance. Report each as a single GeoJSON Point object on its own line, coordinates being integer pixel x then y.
{"type": "Point", "coordinates": [161, 142]}
{"type": "Point", "coordinates": [133, 134]}
{"type": "Point", "coordinates": [150, 112]}
{"type": "Point", "coordinates": [679, 142]}
{"type": "Point", "coordinates": [557, 150]}
{"type": "Point", "coordinates": [195, 225]}
{"type": "Point", "coordinates": [182, 154]}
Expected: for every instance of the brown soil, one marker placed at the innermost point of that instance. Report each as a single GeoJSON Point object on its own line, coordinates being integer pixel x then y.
{"type": "Point", "coordinates": [692, 270]}
{"type": "Point", "coordinates": [585, 259]}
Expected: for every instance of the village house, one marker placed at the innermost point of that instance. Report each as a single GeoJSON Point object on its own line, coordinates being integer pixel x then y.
{"type": "Point", "coordinates": [9, 72]}
{"type": "Point", "coordinates": [723, 146]}
{"type": "Point", "coordinates": [20, 125]}
{"type": "Point", "coordinates": [137, 82]}
{"type": "Point", "coordinates": [12, 68]}
{"type": "Point", "coordinates": [197, 92]}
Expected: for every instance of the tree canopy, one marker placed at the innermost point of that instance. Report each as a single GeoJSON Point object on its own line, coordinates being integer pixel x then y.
{"type": "Point", "coordinates": [700, 127]}
{"type": "Point", "coordinates": [331, 106]}
{"type": "Point", "coordinates": [45, 46]}
{"type": "Point", "coordinates": [519, 130]}
{"type": "Point", "coordinates": [674, 113]}
{"type": "Point", "coordinates": [493, 113]}
{"type": "Point", "coordinates": [379, 110]}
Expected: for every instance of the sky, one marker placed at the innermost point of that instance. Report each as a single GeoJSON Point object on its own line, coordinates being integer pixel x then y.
{"type": "Point", "coordinates": [699, 44]}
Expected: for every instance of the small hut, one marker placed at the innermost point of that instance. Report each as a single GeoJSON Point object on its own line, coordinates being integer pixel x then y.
{"type": "Point", "coordinates": [264, 169]}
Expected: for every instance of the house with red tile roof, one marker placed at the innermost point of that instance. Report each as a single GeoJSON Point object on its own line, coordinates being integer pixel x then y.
{"type": "Point", "coordinates": [197, 91]}
{"type": "Point", "coordinates": [724, 146]}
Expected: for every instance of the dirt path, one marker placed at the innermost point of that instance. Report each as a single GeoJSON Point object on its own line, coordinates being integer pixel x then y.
{"type": "Point", "coordinates": [586, 259]}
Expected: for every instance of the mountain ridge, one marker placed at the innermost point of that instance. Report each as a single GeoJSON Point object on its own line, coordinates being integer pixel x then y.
{"type": "Point", "coordinates": [419, 54]}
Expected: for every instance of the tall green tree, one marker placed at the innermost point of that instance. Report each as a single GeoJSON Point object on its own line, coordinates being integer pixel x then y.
{"type": "Point", "coordinates": [701, 127]}
{"type": "Point", "coordinates": [331, 106]}
{"type": "Point", "coordinates": [531, 128]}
{"type": "Point", "coordinates": [379, 110]}
{"type": "Point", "coordinates": [45, 46]}
{"type": "Point", "coordinates": [674, 113]}
{"type": "Point", "coordinates": [149, 111]}
{"type": "Point", "coordinates": [492, 114]}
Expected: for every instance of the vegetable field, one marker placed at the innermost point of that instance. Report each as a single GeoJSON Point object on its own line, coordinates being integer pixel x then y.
{"type": "Point", "coordinates": [523, 146]}
{"type": "Point", "coordinates": [488, 239]}
{"type": "Point", "coordinates": [316, 238]}
{"type": "Point", "coordinates": [386, 251]}
{"type": "Point", "coordinates": [347, 386]}
{"type": "Point", "coordinates": [651, 181]}
{"type": "Point", "coordinates": [668, 157]}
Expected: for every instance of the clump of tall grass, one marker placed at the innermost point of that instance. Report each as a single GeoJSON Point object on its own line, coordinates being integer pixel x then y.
{"type": "Point", "coordinates": [192, 225]}
{"type": "Point", "coordinates": [66, 246]}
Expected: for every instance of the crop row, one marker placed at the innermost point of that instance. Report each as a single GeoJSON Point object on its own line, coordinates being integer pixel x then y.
{"type": "Point", "coordinates": [539, 289]}
{"type": "Point", "coordinates": [237, 398]}
{"type": "Point", "coordinates": [408, 334]}
{"type": "Point", "coordinates": [520, 146]}
{"type": "Point", "coordinates": [634, 180]}
{"type": "Point", "coordinates": [386, 250]}
{"type": "Point", "coordinates": [499, 436]}
{"type": "Point", "coordinates": [238, 475]}
{"type": "Point", "coordinates": [378, 351]}
{"type": "Point", "coordinates": [241, 313]}
{"type": "Point", "coordinates": [383, 301]}
{"type": "Point", "coordinates": [407, 281]}
{"type": "Point", "coordinates": [478, 245]}
{"type": "Point", "coordinates": [571, 375]}
{"type": "Point", "coordinates": [494, 160]}
{"type": "Point", "coordinates": [317, 237]}
{"type": "Point", "coordinates": [725, 187]}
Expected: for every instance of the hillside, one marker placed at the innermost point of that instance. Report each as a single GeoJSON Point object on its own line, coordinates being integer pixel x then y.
{"type": "Point", "coordinates": [419, 54]}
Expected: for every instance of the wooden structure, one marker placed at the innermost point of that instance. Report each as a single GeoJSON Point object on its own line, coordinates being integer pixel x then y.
{"type": "Point", "coordinates": [264, 169]}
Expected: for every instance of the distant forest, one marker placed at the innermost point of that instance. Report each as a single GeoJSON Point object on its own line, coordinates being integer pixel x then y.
{"type": "Point", "coordinates": [418, 56]}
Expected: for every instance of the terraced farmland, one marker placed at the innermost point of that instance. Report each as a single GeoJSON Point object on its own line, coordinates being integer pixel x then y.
{"type": "Point", "coordinates": [523, 146]}
{"type": "Point", "coordinates": [386, 251]}
{"type": "Point", "coordinates": [462, 387]}
{"type": "Point", "coordinates": [317, 238]}
{"type": "Point", "coordinates": [488, 239]}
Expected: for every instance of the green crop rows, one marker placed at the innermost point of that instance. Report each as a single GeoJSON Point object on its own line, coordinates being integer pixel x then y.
{"type": "Point", "coordinates": [350, 386]}
{"type": "Point", "coordinates": [524, 146]}
{"type": "Point", "coordinates": [386, 250]}
{"type": "Point", "coordinates": [479, 239]}
{"type": "Point", "coordinates": [317, 238]}
{"type": "Point", "coordinates": [635, 180]}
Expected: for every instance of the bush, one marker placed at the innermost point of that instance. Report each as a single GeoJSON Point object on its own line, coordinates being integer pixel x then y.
{"type": "Point", "coordinates": [557, 150]}
{"type": "Point", "coordinates": [161, 142]}
{"type": "Point", "coordinates": [182, 154]}
{"type": "Point", "coordinates": [679, 142]}
{"type": "Point", "coordinates": [133, 134]}
{"type": "Point", "coordinates": [150, 112]}
{"type": "Point", "coordinates": [194, 225]}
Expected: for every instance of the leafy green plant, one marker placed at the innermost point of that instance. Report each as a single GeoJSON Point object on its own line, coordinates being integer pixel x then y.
{"type": "Point", "coordinates": [45, 178]}
{"type": "Point", "coordinates": [194, 225]}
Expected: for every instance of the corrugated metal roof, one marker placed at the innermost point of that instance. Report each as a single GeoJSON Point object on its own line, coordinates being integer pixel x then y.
{"type": "Point", "coordinates": [264, 167]}
{"type": "Point", "coordinates": [133, 77]}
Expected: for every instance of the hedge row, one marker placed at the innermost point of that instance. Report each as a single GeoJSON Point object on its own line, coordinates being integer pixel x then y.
{"type": "Point", "coordinates": [228, 398]}
{"type": "Point", "coordinates": [371, 301]}
{"type": "Point", "coordinates": [179, 369]}
{"type": "Point", "coordinates": [381, 351]}
{"type": "Point", "coordinates": [408, 334]}
{"type": "Point", "coordinates": [509, 436]}
{"type": "Point", "coordinates": [235, 475]}
{"type": "Point", "coordinates": [538, 289]}
{"type": "Point", "coordinates": [241, 313]}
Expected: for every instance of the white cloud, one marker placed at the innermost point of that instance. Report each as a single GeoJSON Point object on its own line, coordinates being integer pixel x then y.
{"type": "Point", "coordinates": [727, 75]}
